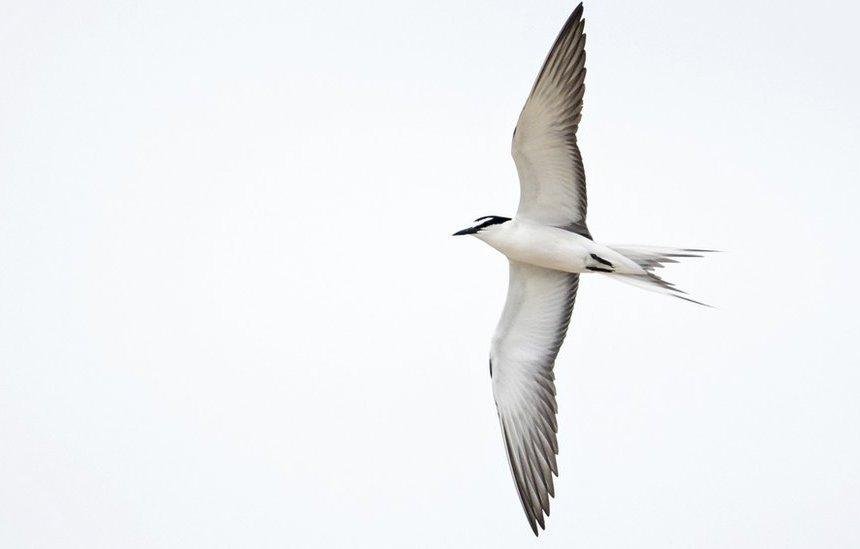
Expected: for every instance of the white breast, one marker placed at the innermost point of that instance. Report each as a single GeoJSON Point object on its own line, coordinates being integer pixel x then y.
{"type": "Point", "coordinates": [540, 245]}
{"type": "Point", "coordinates": [553, 248]}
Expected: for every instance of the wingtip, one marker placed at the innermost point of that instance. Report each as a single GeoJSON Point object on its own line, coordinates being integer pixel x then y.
{"type": "Point", "coordinates": [575, 15]}
{"type": "Point", "coordinates": [577, 12]}
{"type": "Point", "coordinates": [537, 524]}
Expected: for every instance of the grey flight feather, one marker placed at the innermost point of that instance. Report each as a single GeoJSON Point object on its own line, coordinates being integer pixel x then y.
{"type": "Point", "coordinates": [529, 335]}
{"type": "Point", "coordinates": [544, 147]}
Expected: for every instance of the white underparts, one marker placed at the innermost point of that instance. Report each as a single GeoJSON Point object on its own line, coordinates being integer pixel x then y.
{"type": "Point", "coordinates": [562, 250]}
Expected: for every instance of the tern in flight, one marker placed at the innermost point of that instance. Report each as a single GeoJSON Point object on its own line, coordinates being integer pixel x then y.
{"type": "Point", "coordinates": [548, 246]}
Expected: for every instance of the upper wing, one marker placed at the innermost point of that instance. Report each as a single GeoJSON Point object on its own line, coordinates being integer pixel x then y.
{"type": "Point", "coordinates": [528, 337]}
{"type": "Point", "coordinates": [552, 178]}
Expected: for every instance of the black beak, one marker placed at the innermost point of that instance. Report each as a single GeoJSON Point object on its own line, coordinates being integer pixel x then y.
{"type": "Point", "coordinates": [470, 230]}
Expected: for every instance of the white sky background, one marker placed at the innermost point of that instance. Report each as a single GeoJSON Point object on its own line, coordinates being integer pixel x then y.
{"type": "Point", "coordinates": [231, 313]}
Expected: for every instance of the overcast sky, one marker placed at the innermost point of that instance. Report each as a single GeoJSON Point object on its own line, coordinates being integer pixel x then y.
{"type": "Point", "coordinates": [231, 313]}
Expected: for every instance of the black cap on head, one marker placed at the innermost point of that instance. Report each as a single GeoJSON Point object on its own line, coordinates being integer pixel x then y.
{"type": "Point", "coordinates": [482, 223]}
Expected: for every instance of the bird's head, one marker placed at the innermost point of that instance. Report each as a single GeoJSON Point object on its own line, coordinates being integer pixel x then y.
{"type": "Point", "coordinates": [484, 225]}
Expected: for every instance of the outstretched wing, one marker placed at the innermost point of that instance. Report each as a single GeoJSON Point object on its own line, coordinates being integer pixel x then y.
{"type": "Point", "coordinates": [525, 345]}
{"type": "Point", "coordinates": [552, 177]}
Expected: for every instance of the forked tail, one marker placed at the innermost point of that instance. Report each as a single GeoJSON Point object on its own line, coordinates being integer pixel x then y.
{"type": "Point", "coordinates": [651, 258]}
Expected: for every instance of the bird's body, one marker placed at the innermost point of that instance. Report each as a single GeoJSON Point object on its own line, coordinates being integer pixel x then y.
{"type": "Point", "coordinates": [549, 246]}
{"type": "Point", "coordinates": [556, 248]}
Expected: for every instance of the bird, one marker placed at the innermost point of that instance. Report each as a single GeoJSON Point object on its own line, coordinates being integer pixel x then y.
{"type": "Point", "coordinates": [548, 246]}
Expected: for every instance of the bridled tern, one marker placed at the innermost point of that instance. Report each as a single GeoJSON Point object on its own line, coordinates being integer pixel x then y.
{"type": "Point", "coordinates": [548, 245]}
